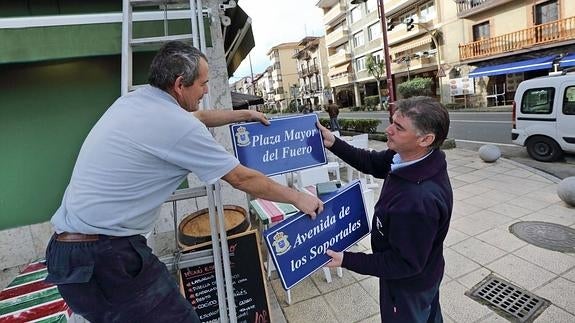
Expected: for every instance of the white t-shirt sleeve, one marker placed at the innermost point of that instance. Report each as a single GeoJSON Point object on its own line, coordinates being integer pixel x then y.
{"type": "Point", "coordinates": [198, 152]}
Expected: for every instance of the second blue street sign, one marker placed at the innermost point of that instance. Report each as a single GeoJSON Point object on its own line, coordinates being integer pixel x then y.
{"type": "Point", "coordinates": [298, 244]}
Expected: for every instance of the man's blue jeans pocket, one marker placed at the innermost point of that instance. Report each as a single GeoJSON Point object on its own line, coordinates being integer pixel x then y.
{"type": "Point", "coordinates": [68, 265]}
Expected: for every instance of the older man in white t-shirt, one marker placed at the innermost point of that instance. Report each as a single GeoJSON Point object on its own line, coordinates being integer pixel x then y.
{"type": "Point", "coordinates": [136, 155]}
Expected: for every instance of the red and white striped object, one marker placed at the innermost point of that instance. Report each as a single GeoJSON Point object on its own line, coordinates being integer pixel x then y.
{"type": "Point", "coordinates": [29, 299]}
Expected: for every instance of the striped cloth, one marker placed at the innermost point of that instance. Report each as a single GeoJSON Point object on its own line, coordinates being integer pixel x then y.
{"type": "Point", "coordinates": [29, 299]}
{"type": "Point", "coordinates": [271, 212]}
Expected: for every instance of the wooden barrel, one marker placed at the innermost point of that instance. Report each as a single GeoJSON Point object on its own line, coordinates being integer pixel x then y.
{"type": "Point", "coordinates": [195, 228]}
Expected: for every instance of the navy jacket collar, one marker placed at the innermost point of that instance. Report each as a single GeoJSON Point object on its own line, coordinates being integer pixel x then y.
{"type": "Point", "coordinates": [424, 169]}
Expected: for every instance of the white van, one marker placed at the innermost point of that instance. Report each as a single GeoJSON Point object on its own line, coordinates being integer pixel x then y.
{"type": "Point", "coordinates": [544, 116]}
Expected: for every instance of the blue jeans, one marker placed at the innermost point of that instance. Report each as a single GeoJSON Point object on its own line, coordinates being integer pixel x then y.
{"type": "Point", "coordinates": [116, 280]}
{"type": "Point", "coordinates": [401, 305]}
{"type": "Point", "coordinates": [333, 124]}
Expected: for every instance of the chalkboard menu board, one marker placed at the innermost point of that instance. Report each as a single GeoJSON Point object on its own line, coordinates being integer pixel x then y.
{"type": "Point", "coordinates": [198, 283]}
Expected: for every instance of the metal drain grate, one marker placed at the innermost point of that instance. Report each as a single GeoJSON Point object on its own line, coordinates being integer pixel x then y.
{"type": "Point", "coordinates": [508, 300]}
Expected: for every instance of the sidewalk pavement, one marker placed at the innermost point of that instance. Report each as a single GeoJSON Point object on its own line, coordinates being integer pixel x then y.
{"type": "Point", "coordinates": [488, 198]}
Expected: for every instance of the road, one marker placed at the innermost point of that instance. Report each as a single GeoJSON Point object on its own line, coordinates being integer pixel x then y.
{"type": "Point", "coordinates": [471, 130]}
{"type": "Point", "coordinates": [475, 126]}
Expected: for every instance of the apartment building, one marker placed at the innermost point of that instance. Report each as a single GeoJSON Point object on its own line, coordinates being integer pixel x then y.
{"type": "Point", "coordinates": [506, 42]}
{"type": "Point", "coordinates": [418, 32]}
{"type": "Point", "coordinates": [415, 49]}
{"type": "Point", "coordinates": [474, 50]}
{"type": "Point", "coordinates": [264, 87]}
{"type": "Point", "coordinates": [365, 40]}
{"type": "Point", "coordinates": [298, 75]}
{"type": "Point", "coordinates": [314, 87]}
{"type": "Point", "coordinates": [339, 57]}
{"type": "Point", "coordinates": [243, 85]}
{"type": "Point", "coordinates": [284, 73]}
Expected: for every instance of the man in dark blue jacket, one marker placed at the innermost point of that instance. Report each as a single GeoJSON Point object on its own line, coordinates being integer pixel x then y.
{"type": "Point", "coordinates": [412, 214]}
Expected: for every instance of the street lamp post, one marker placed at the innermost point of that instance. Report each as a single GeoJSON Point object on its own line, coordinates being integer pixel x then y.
{"type": "Point", "coordinates": [440, 72]}
{"type": "Point", "coordinates": [388, 75]}
{"type": "Point", "coordinates": [407, 61]}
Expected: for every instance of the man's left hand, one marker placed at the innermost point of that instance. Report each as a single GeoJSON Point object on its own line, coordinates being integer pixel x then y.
{"type": "Point", "coordinates": [328, 137]}
{"type": "Point", "coordinates": [336, 258]}
{"type": "Point", "coordinates": [258, 116]}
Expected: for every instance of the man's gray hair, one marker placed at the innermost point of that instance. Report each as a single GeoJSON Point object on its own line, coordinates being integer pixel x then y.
{"type": "Point", "coordinates": [427, 116]}
{"type": "Point", "coordinates": [175, 59]}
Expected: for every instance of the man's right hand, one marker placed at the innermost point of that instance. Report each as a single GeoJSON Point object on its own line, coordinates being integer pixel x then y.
{"type": "Point", "coordinates": [308, 204]}
{"type": "Point", "coordinates": [328, 137]}
{"type": "Point", "coordinates": [258, 185]}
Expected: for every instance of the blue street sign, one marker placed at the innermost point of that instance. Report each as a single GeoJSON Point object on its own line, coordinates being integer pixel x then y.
{"type": "Point", "coordinates": [288, 144]}
{"type": "Point", "coordinates": [298, 244]}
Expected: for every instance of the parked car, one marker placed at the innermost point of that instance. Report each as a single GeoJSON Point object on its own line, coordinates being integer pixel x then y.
{"type": "Point", "coordinates": [544, 116]}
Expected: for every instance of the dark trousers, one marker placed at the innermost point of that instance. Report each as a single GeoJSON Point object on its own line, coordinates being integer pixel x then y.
{"type": "Point", "coordinates": [333, 124]}
{"type": "Point", "coordinates": [116, 280]}
{"type": "Point", "coordinates": [400, 305]}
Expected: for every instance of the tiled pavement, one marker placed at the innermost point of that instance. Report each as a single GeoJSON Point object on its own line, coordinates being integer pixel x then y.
{"type": "Point", "coordinates": [488, 199]}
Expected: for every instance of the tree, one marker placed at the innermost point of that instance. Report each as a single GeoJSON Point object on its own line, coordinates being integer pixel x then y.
{"type": "Point", "coordinates": [416, 86]}
{"type": "Point", "coordinates": [376, 68]}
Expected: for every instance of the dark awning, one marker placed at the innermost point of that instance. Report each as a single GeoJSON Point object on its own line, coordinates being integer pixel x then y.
{"type": "Point", "coordinates": [541, 63]}
{"type": "Point", "coordinates": [567, 60]}
{"type": "Point", "coordinates": [238, 38]}
{"type": "Point", "coordinates": [243, 101]}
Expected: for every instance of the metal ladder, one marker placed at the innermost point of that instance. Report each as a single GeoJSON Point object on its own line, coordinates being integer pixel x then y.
{"type": "Point", "coordinates": [171, 10]}
{"type": "Point", "coordinates": [180, 9]}
{"type": "Point", "coordinates": [219, 254]}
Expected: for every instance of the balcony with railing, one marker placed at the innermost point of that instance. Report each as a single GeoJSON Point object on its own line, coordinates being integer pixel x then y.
{"type": "Point", "coordinates": [302, 55]}
{"type": "Point", "coordinates": [394, 6]}
{"type": "Point", "coordinates": [413, 63]}
{"type": "Point", "coordinates": [337, 36]}
{"type": "Point", "coordinates": [312, 69]}
{"type": "Point", "coordinates": [326, 3]}
{"type": "Point", "coordinates": [334, 14]}
{"type": "Point", "coordinates": [315, 88]}
{"type": "Point", "coordinates": [400, 34]}
{"type": "Point", "coordinates": [545, 34]}
{"type": "Point", "coordinates": [467, 8]}
{"type": "Point", "coordinates": [274, 56]}
{"type": "Point", "coordinates": [339, 58]}
{"type": "Point", "coordinates": [341, 79]}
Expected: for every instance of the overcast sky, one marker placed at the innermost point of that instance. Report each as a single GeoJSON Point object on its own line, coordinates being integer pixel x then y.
{"type": "Point", "coordinates": [275, 22]}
